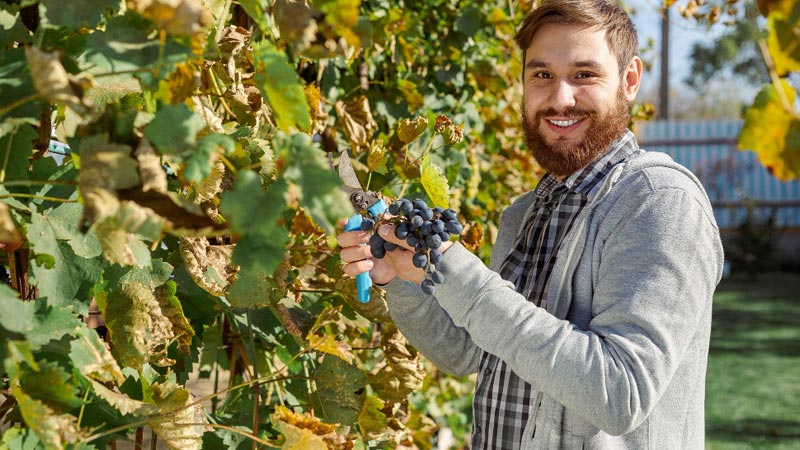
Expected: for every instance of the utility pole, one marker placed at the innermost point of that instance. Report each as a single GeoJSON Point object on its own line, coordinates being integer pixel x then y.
{"type": "Point", "coordinates": [663, 91]}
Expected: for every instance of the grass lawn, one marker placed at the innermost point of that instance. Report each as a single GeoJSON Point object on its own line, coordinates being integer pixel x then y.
{"type": "Point", "coordinates": [753, 383]}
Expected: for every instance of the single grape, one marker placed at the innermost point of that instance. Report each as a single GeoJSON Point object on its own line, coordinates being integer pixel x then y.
{"type": "Point", "coordinates": [448, 215]}
{"type": "Point", "coordinates": [433, 241]}
{"type": "Point", "coordinates": [378, 252]}
{"type": "Point", "coordinates": [435, 256]}
{"type": "Point", "coordinates": [426, 213]}
{"type": "Point", "coordinates": [438, 210]}
{"type": "Point", "coordinates": [437, 277]}
{"type": "Point", "coordinates": [376, 246]}
{"type": "Point", "coordinates": [420, 260]}
{"type": "Point", "coordinates": [401, 230]}
{"type": "Point", "coordinates": [412, 240]}
{"type": "Point", "coordinates": [428, 286]}
{"type": "Point", "coordinates": [420, 204]}
{"type": "Point", "coordinates": [426, 228]}
{"type": "Point", "coordinates": [389, 246]}
{"type": "Point", "coordinates": [367, 224]}
{"type": "Point", "coordinates": [445, 236]}
{"type": "Point", "coordinates": [454, 227]}
{"type": "Point", "coordinates": [406, 206]}
{"type": "Point", "coordinates": [394, 208]}
{"type": "Point", "coordinates": [437, 226]}
{"type": "Point", "coordinates": [416, 222]}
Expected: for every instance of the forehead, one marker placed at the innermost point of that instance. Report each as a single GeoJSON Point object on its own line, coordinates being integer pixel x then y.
{"type": "Point", "coordinates": [557, 44]}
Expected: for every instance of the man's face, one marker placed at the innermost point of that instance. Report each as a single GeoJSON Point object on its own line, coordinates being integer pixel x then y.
{"type": "Point", "coordinates": [575, 101]}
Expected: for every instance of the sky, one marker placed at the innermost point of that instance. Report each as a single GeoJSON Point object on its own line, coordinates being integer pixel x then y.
{"type": "Point", "coordinates": [683, 34]}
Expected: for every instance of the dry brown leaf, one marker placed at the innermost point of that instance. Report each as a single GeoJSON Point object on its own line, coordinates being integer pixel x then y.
{"type": "Point", "coordinates": [54, 83]}
{"type": "Point", "coordinates": [356, 119]}
{"type": "Point", "coordinates": [180, 17]}
{"type": "Point", "coordinates": [209, 265]}
{"type": "Point", "coordinates": [10, 237]}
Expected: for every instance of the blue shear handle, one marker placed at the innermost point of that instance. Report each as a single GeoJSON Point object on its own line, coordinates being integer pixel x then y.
{"type": "Point", "coordinates": [363, 281]}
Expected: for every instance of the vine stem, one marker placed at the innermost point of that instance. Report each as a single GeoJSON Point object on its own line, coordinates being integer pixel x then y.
{"type": "Point", "coordinates": [6, 157]}
{"type": "Point", "coordinates": [144, 421]}
{"type": "Point", "coordinates": [17, 103]}
{"type": "Point", "coordinates": [773, 72]}
{"type": "Point", "coordinates": [235, 430]}
{"type": "Point", "coordinates": [38, 197]}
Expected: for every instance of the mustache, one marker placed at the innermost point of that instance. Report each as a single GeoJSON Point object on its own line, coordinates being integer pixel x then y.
{"type": "Point", "coordinates": [567, 112]}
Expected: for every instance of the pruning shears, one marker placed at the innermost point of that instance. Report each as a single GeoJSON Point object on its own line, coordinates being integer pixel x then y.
{"type": "Point", "coordinates": [364, 202]}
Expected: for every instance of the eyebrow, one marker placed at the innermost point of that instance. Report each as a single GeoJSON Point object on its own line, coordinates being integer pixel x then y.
{"type": "Point", "coordinates": [586, 64]}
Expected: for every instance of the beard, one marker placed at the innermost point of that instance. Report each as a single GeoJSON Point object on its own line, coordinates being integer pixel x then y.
{"type": "Point", "coordinates": [562, 158]}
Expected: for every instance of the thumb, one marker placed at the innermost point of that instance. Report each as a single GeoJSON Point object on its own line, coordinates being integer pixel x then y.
{"type": "Point", "coordinates": [387, 232]}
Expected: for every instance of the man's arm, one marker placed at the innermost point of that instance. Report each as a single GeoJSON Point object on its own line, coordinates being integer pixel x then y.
{"type": "Point", "coordinates": [657, 272]}
{"type": "Point", "coordinates": [429, 328]}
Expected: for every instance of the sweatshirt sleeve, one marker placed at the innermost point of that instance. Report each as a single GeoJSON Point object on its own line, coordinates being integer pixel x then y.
{"type": "Point", "coordinates": [428, 327]}
{"type": "Point", "coordinates": [659, 263]}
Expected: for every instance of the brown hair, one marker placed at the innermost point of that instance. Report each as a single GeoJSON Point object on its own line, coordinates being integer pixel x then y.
{"type": "Point", "coordinates": [608, 16]}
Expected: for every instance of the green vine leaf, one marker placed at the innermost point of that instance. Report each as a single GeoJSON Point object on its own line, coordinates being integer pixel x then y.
{"type": "Point", "coordinates": [340, 391]}
{"type": "Point", "coordinates": [253, 213]}
{"type": "Point", "coordinates": [51, 385]}
{"type": "Point", "coordinates": [279, 83]}
{"type": "Point", "coordinates": [434, 182]}
{"type": "Point", "coordinates": [773, 133]}
{"type": "Point", "coordinates": [126, 45]}
{"type": "Point", "coordinates": [174, 129]}
{"type": "Point", "coordinates": [16, 151]}
{"type": "Point", "coordinates": [317, 185]}
{"type": "Point", "coordinates": [77, 14]}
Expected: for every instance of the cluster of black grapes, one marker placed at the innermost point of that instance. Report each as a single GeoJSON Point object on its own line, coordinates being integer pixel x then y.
{"type": "Point", "coordinates": [424, 229]}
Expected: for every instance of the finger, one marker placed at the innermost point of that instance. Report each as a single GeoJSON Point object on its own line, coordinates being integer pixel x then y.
{"type": "Point", "coordinates": [355, 253]}
{"type": "Point", "coordinates": [355, 268]}
{"type": "Point", "coordinates": [352, 238]}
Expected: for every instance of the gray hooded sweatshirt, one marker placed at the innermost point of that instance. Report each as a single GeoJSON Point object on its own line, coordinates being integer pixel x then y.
{"type": "Point", "coordinates": [618, 358]}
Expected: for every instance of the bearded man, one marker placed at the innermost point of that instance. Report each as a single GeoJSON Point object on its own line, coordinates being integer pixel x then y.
{"type": "Point", "coordinates": [590, 327]}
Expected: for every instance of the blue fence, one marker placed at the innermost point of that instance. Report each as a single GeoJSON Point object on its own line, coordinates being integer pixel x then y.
{"type": "Point", "coordinates": [733, 178]}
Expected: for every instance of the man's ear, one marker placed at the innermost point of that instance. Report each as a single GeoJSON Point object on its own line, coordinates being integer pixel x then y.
{"type": "Point", "coordinates": [632, 78]}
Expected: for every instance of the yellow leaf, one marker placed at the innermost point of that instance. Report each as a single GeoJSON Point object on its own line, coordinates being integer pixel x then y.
{"type": "Point", "coordinates": [302, 431]}
{"type": "Point", "coordinates": [54, 430]}
{"type": "Point", "coordinates": [783, 42]}
{"type": "Point", "coordinates": [435, 183]}
{"type": "Point", "coordinates": [773, 133]}
{"type": "Point", "coordinates": [408, 130]}
{"type": "Point", "coordinates": [371, 419]}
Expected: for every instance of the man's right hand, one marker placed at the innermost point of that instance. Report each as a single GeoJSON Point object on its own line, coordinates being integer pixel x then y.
{"type": "Point", "coordinates": [358, 258]}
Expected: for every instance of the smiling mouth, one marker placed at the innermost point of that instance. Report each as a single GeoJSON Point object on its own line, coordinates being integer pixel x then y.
{"type": "Point", "coordinates": [563, 123]}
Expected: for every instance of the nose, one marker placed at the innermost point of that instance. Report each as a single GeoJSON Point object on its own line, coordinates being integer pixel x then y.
{"type": "Point", "coordinates": [563, 95]}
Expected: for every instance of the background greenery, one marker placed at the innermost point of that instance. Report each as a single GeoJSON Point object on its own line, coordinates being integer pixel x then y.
{"type": "Point", "coordinates": [193, 207]}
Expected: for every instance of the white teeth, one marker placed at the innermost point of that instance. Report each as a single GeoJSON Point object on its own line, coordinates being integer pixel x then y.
{"type": "Point", "coordinates": [563, 123]}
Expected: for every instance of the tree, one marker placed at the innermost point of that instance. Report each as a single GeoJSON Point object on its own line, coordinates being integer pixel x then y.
{"type": "Point", "coordinates": [772, 123]}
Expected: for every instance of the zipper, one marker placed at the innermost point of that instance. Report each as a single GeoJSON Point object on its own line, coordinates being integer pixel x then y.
{"type": "Point", "coordinates": [538, 403]}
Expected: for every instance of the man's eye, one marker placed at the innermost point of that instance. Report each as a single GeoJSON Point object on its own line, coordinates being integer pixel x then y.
{"type": "Point", "coordinates": [542, 75]}
{"type": "Point", "coordinates": [585, 75]}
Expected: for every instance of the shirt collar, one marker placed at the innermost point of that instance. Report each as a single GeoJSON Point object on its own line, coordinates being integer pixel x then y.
{"type": "Point", "coordinates": [586, 179]}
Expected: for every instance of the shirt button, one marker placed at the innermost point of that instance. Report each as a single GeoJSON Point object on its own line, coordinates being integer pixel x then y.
{"type": "Point", "coordinates": [487, 371]}
{"type": "Point", "coordinates": [477, 429]}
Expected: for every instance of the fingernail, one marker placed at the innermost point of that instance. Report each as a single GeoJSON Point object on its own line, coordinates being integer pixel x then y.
{"type": "Point", "coordinates": [384, 230]}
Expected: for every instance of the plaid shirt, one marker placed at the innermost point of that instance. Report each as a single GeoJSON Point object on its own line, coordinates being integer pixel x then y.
{"type": "Point", "coordinates": [503, 400]}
